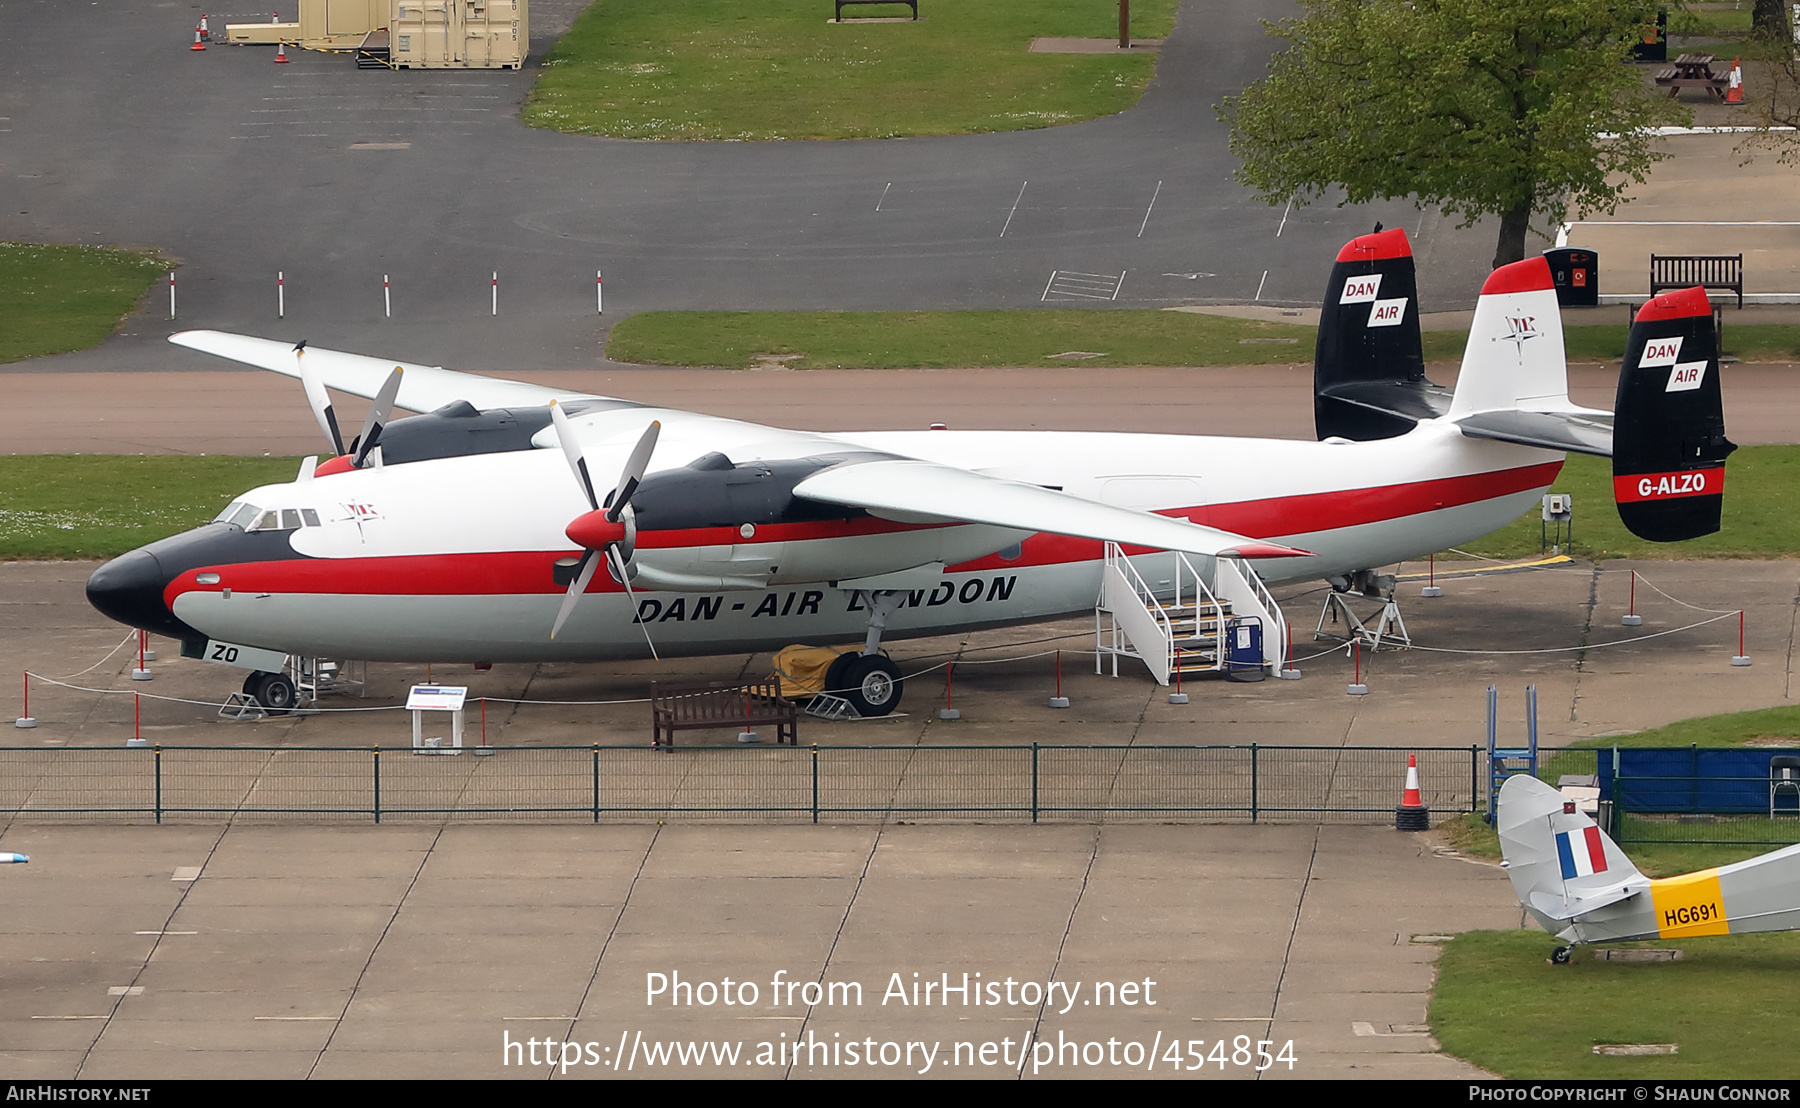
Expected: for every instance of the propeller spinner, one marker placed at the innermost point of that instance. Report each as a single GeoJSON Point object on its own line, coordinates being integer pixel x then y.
{"type": "Point", "coordinates": [609, 530]}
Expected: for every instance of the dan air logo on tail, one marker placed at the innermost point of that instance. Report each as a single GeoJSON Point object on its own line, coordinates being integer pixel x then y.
{"type": "Point", "coordinates": [1686, 375]}
{"type": "Point", "coordinates": [1387, 313]}
{"type": "Point", "coordinates": [1660, 352]}
{"type": "Point", "coordinates": [1360, 290]}
{"type": "Point", "coordinates": [1580, 852]}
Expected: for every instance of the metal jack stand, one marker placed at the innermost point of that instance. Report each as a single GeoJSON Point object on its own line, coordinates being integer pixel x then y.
{"type": "Point", "coordinates": [1389, 625]}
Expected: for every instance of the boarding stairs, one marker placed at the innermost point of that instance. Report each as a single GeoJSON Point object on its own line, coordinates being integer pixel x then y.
{"type": "Point", "coordinates": [1175, 618]}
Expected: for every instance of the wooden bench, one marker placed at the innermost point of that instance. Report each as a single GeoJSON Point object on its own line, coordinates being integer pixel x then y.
{"type": "Point", "coordinates": [839, 17]}
{"type": "Point", "coordinates": [709, 706]}
{"type": "Point", "coordinates": [1684, 271]}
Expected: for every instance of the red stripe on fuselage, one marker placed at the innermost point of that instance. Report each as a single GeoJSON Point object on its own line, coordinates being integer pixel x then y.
{"type": "Point", "coordinates": [523, 572]}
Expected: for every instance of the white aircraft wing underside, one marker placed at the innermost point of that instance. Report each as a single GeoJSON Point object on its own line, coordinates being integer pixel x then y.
{"type": "Point", "coordinates": [422, 388]}
{"type": "Point", "coordinates": [920, 491]}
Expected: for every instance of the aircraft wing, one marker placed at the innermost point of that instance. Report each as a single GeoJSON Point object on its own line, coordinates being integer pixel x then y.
{"type": "Point", "coordinates": [422, 388]}
{"type": "Point", "coordinates": [919, 491]}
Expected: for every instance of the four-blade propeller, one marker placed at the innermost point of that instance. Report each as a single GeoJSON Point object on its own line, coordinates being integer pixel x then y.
{"type": "Point", "coordinates": [320, 401]}
{"type": "Point", "coordinates": [609, 529]}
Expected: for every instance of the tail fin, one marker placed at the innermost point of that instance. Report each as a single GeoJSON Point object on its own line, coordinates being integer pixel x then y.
{"type": "Point", "coordinates": [1560, 863]}
{"type": "Point", "coordinates": [1368, 368]}
{"type": "Point", "coordinates": [1669, 444]}
{"type": "Point", "coordinates": [1514, 357]}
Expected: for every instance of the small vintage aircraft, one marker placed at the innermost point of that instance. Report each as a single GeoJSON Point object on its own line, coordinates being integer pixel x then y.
{"type": "Point", "coordinates": [475, 533]}
{"type": "Point", "coordinates": [1579, 886]}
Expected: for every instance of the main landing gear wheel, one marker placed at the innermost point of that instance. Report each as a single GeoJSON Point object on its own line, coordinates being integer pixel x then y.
{"type": "Point", "coordinates": [1560, 956]}
{"type": "Point", "coordinates": [274, 691]}
{"type": "Point", "coordinates": [870, 682]}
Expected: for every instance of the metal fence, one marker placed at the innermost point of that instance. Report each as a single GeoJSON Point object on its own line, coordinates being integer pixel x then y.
{"type": "Point", "coordinates": [1036, 783]}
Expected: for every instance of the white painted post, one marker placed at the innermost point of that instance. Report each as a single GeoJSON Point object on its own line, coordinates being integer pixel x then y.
{"type": "Point", "coordinates": [171, 294]}
{"type": "Point", "coordinates": [387, 298]}
{"type": "Point", "coordinates": [496, 292]}
{"type": "Point", "coordinates": [280, 295]}
{"type": "Point", "coordinates": [599, 295]}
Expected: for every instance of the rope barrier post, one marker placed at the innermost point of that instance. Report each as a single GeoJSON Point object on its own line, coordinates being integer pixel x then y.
{"type": "Point", "coordinates": [948, 711]}
{"type": "Point", "coordinates": [484, 749]}
{"type": "Point", "coordinates": [142, 672]}
{"type": "Point", "coordinates": [1178, 697]}
{"type": "Point", "coordinates": [1631, 618]}
{"type": "Point", "coordinates": [145, 650]}
{"type": "Point", "coordinates": [137, 723]}
{"type": "Point", "coordinates": [26, 722]}
{"type": "Point", "coordinates": [1057, 701]}
{"type": "Point", "coordinates": [1742, 657]}
{"type": "Point", "coordinates": [1356, 687]}
{"type": "Point", "coordinates": [1288, 672]}
{"type": "Point", "coordinates": [1431, 586]}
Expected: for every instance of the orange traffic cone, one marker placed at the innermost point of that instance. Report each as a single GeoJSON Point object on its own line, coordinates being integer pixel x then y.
{"type": "Point", "coordinates": [1412, 815]}
{"type": "Point", "coordinates": [1734, 92]}
{"type": "Point", "coordinates": [281, 53]}
{"type": "Point", "coordinates": [198, 44]}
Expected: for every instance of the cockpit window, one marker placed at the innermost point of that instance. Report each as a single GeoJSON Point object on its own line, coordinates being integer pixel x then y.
{"type": "Point", "coordinates": [225, 515]}
{"type": "Point", "coordinates": [244, 515]}
{"type": "Point", "coordinates": [268, 521]}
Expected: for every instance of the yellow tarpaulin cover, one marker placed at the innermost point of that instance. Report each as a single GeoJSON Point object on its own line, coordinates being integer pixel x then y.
{"type": "Point", "coordinates": [801, 669]}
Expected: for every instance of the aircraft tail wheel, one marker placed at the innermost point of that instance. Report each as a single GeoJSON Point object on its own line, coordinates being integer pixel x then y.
{"type": "Point", "coordinates": [871, 684]}
{"type": "Point", "coordinates": [1560, 956]}
{"type": "Point", "coordinates": [274, 691]}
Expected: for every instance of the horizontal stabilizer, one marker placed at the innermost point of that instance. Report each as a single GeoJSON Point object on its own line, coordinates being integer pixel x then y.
{"type": "Point", "coordinates": [921, 491]}
{"type": "Point", "coordinates": [1586, 433]}
{"type": "Point", "coordinates": [1560, 907]}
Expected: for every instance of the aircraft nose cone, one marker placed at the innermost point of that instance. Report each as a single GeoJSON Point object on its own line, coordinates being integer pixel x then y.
{"type": "Point", "coordinates": [130, 589]}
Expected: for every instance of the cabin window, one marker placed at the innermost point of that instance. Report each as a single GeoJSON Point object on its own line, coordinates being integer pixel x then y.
{"type": "Point", "coordinates": [311, 517]}
{"type": "Point", "coordinates": [290, 519]}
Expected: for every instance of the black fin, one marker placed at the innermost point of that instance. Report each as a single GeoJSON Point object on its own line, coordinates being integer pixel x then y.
{"type": "Point", "coordinates": [1669, 444]}
{"type": "Point", "coordinates": [1369, 368]}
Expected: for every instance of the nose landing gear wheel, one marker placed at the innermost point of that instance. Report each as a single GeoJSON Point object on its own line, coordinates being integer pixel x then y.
{"type": "Point", "coordinates": [1560, 956]}
{"type": "Point", "coordinates": [274, 691]}
{"type": "Point", "coordinates": [871, 684]}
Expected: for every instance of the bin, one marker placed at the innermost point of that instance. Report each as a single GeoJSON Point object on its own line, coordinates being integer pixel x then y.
{"type": "Point", "coordinates": [1244, 649]}
{"type": "Point", "coordinates": [1576, 272]}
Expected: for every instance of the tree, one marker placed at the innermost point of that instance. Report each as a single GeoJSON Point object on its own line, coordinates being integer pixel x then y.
{"type": "Point", "coordinates": [1768, 19]}
{"type": "Point", "coordinates": [1483, 107]}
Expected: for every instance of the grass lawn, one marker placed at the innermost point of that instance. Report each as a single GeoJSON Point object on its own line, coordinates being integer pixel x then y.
{"type": "Point", "coordinates": [63, 298]}
{"type": "Point", "coordinates": [1727, 1005]}
{"type": "Point", "coordinates": [894, 340]}
{"type": "Point", "coordinates": [98, 506]}
{"type": "Point", "coordinates": [778, 69]}
{"type": "Point", "coordinates": [1135, 337]}
{"type": "Point", "coordinates": [1759, 520]}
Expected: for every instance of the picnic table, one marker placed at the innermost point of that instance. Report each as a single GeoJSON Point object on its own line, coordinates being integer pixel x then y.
{"type": "Point", "coordinates": [1692, 71]}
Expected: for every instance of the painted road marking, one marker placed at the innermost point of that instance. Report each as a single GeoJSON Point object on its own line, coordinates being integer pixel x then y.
{"type": "Point", "coordinates": [1066, 284]}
